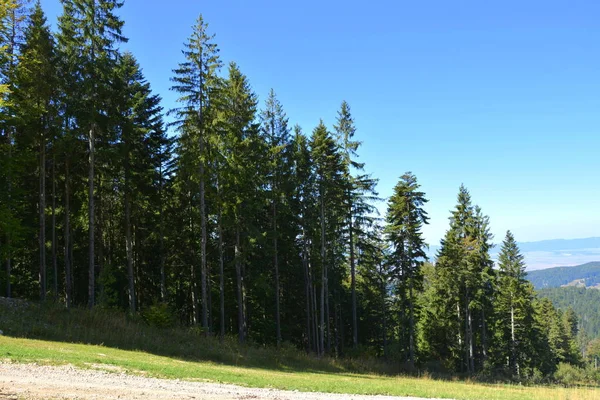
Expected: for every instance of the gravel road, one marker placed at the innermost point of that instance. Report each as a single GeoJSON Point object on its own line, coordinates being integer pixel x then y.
{"type": "Point", "coordinates": [33, 382]}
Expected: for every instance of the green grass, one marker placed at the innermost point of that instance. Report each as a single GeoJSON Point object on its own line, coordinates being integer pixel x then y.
{"type": "Point", "coordinates": [136, 362]}
{"type": "Point", "coordinates": [52, 335]}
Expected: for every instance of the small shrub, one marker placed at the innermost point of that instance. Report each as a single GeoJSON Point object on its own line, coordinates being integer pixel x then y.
{"type": "Point", "coordinates": [159, 315]}
{"type": "Point", "coordinates": [569, 375]}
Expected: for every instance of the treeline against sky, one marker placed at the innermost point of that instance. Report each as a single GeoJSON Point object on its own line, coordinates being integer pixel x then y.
{"type": "Point", "coordinates": [240, 224]}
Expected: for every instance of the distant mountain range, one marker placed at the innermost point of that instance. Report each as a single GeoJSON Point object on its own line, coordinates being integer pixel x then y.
{"type": "Point", "coordinates": [586, 275]}
{"type": "Point", "coordinates": [551, 253]}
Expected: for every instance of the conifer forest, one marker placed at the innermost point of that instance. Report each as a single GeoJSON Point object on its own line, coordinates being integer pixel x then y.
{"type": "Point", "coordinates": [232, 219]}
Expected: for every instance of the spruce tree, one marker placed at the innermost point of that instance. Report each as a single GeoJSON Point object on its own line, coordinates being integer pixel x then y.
{"type": "Point", "coordinates": [33, 102]}
{"type": "Point", "coordinates": [236, 180]}
{"type": "Point", "coordinates": [360, 193]}
{"type": "Point", "coordinates": [514, 307]}
{"type": "Point", "coordinates": [89, 32]}
{"type": "Point", "coordinates": [405, 219]}
{"type": "Point", "coordinates": [275, 132]}
{"type": "Point", "coordinates": [196, 80]}
{"type": "Point", "coordinates": [329, 170]}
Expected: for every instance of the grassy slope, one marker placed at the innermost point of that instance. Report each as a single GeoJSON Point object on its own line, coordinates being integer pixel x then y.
{"type": "Point", "coordinates": [28, 350]}
{"type": "Point", "coordinates": [114, 339]}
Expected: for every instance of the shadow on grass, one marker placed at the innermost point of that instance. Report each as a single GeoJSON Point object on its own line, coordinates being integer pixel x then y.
{"type": "Point", "coordinates": [117, 329]}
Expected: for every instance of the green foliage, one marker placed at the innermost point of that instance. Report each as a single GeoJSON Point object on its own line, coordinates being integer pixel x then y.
{"type": "Point", "coordinates": [236, 224]}
{"type": "Point", "coordinates": [159, 315]}
{"type": "Point", "coordinates": [584, 303]}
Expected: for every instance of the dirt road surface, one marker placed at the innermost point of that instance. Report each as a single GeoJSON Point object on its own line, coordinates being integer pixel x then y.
{"type": "Point", "coordinates": [35, 382]}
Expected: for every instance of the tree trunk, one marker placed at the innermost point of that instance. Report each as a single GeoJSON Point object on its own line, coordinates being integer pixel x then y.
{"type": "Point", "coordinates": [323, 278]}
{"type": "Point", "coordinates": [483, 336]}
{"type": "Point", "coordinates": [195, 308]}
{"type": "Point", "coordinates": [513, 363]}
{"type": "Point", "coordinates": [8, 234]}
{"type": "Point", "coordinates": [163, 279]}
{"type": "Point", "coordinates": [306, 292]}
{"type": "Point", "coordinates": [384, 317]}
{"type": "Point", "coordinates": [327, 312]}
{"type": "Point", "coordinates": [68, 275]}
{"type": "Point", "coordinates": [91, 220]}
{"type": "Point", "coordinates": [469, 336]}
{"type": "Point", "coordinates": [54, 257]}
{"type": "Point", "coordinates": [42, 218]}
{"type": "Point", "coordinates": [276, 265]}
{"type": "Point", "coordinates": [221, 269]}
{"type": "Point", "coordinates": [411, 334]}
{"type": "Point", "coordinates": [128, 241]}
{"type": "Point", "coordinates": [353, 284]}
{"type": "Point", "coordinates": [203, 246]}
{"type": "Point", "coordinates": [240, 285]}
{"type": "Point", "coordinates": [315, 321]}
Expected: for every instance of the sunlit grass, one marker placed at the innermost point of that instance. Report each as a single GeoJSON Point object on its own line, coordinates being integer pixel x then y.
{"type": "Point", "coordinates": [136, 362]}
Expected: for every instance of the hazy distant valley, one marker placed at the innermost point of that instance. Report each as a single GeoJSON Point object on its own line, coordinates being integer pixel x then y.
{"type": "Point", "coordinates": [551, 253]}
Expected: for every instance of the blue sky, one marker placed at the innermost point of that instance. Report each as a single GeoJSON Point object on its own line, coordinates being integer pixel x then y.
{"type": "Point", "coordinates": [502, 96]}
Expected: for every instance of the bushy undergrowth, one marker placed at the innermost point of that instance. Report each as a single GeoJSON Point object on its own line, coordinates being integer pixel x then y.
{"type": "Point", "coordinates": [149, 332]}
{"type": "Point", "coordinates": [152, 331]}
{"type": "Point", "coordinates": [570, 375]}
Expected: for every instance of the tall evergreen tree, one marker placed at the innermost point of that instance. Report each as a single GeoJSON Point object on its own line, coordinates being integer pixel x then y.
{"type": "Point", "coordinates": [33, 102]}
{"type": "Point", "coordinates": [329, 171]}
{"type": "Point", "coordinates": [405, 219]}
{"type": "Point", "coordinates": [514, 307]}
{"type": "Point", "coordinates": [236, 179]}
{"type": "Point", "coordinates": [275, 132]}
{"type": "Point", "coordinates": [89, 34]}
{"type": "Point", "coordinates": [360, 193]}
{"type": "Point", "coordinates": [196, 80]}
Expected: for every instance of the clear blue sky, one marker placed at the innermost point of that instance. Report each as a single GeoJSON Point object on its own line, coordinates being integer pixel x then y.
{"type": "Point", "coordinates": [503, 96]}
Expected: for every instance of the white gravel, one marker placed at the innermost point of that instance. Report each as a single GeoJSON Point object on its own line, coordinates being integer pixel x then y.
{"type": "Point", "coordinates": [33, 382]}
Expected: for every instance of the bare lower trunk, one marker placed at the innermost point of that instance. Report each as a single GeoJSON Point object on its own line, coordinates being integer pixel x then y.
{"type": "Point", "coordinates": [484, 345]}
{"type": "Point", "coordinates": [54, 257]}
{"type": "Point", "coordinates": [240, 285]}
{"type": "Point", "coordinates": [163, 279]}
{"type": "Point", "coordinates": [459, 338]}
{"type": "Point", "coordinates": [353, 284]}
{"type": "Point", "coordinates": [91, 220]}
{"type": "Point", "coordinates": [315, 319]}
{"type": "Point", "coordinates": [42, 217]}
{"type": "Point", "coordinates": [221, 278]}
{"type": "Point", "coordinates": [67, 233]}
{"type": "Point", "coordinates": [8, 270]}
{"type": "Point", "coordinates": [327, 313]}
{"type": "Point", "coordinates": [8, 235]}
{"type": "Point", "coordinates": [469, 336]}
{"type": "Point", "coordinates": [203, 249]}
{"type": "Point", "coordinates": [411, 334]}
{"type": "Point", "coordinates": [323, 278]}
{"type": "Point", "coordinates": [195, 308]}
{"type": "Point", "coordinates": [513, 351]}
{"type": "Point", "coordinates": [276, 265]}
{"type": "Point", "coordinates": [306, 295]}
{"type": "Point", "coordinates": [129, 250]}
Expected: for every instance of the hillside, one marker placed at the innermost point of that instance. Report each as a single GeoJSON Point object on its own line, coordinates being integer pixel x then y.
{"type": "Point", "coordinates": [584, 301]}
{"type": "Point", "coordinates": [586, 274]}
